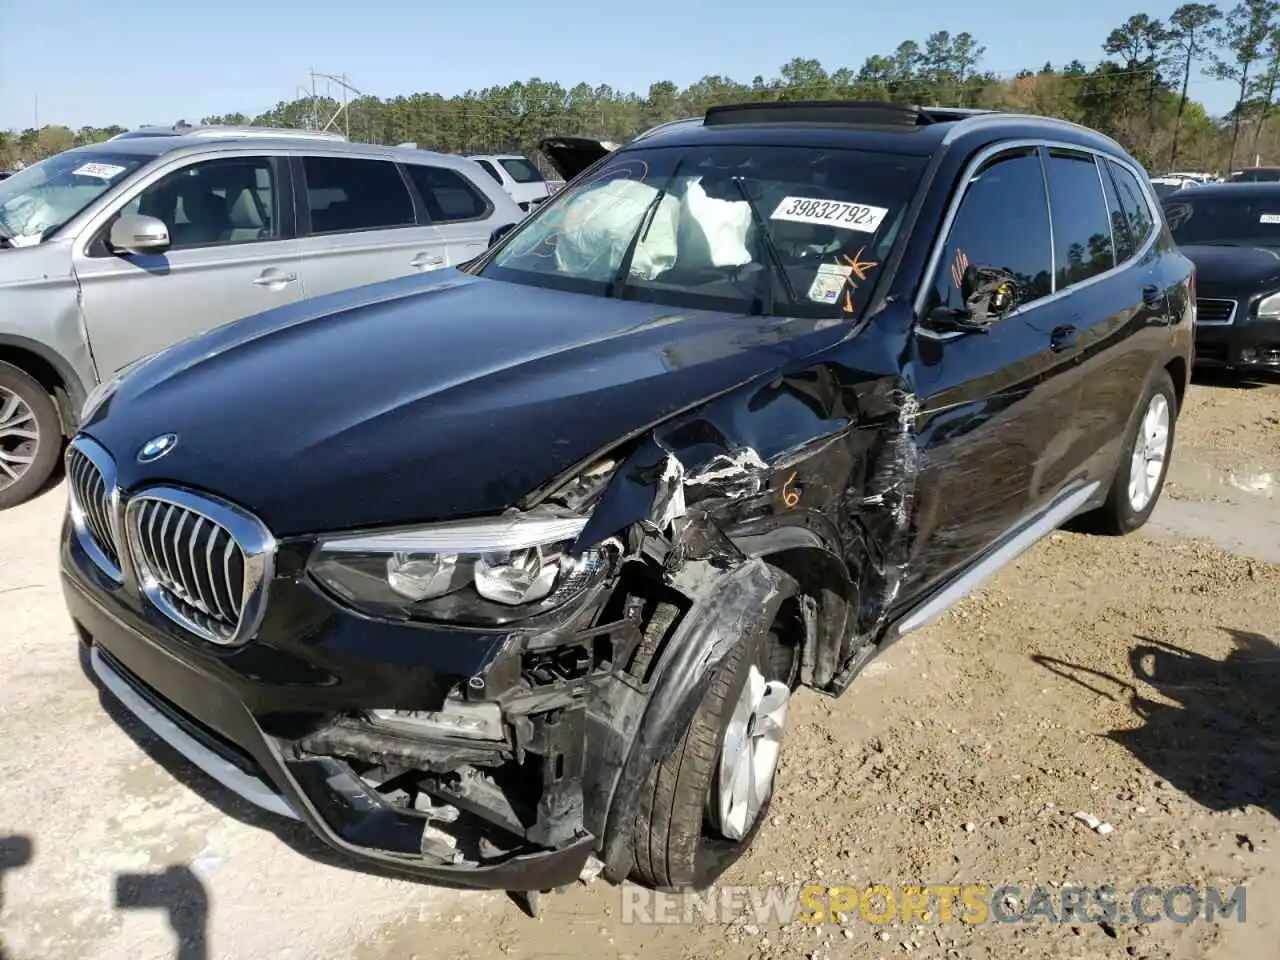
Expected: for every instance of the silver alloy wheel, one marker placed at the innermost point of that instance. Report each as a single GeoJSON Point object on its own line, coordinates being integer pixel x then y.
{"type": "Point", "coordinates": [1150, 448]}
{"type": "Point", "coordinates": [749, 753]}
{"type": "Point", "coordinates": [19, 437]}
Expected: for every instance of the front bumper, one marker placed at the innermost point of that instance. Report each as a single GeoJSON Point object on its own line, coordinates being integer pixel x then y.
{"type": "Point", "coordinates": [201, 712]}
{"type": "Point", "coordinates": [1248, 343]}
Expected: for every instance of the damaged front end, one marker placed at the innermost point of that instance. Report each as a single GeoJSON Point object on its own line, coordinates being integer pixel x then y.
{"type": "Point", "coordinates": [677, 544]}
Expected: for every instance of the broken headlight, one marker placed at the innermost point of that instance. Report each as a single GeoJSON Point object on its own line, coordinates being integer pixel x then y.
{"type": "Point", "coordinates": [472, 573]}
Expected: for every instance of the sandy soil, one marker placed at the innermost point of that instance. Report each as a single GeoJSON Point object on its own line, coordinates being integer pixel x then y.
{"type": "Point", "coordinates": [1134, 679]}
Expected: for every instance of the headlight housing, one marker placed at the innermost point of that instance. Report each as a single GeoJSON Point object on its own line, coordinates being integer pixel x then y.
{"type": "Point", "coordinates": [107, 388]}
{"type": "Point", "coordinates": [1269, 307]}
{"type": "Point", "coordinates": [471, 573]}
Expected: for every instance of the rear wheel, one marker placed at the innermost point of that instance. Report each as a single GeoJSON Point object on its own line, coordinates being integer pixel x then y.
{"type": "Point", "coordinates": [1144, 461]}
{"type": "Point", "coordinates": [30, 436]}
{"type": "Point", "coordinates": [704, 803]}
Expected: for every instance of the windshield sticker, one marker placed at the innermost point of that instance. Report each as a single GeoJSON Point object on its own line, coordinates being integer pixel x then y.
{"type": "Point", "coordinates": [1269, 218]}
{"type": "Point", "coordinates": [828, 282]}
{"type": "Point", "coordinates": [103, 171]}
{"type": "Point", "coordinates": [830, 213]}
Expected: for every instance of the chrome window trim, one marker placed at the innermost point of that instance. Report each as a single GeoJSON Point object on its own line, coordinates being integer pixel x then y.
{"type": "Point", "coordinates": [105, 464]}
{"type": "Point", "coordinates": [255, 541]}
{"type": "Point", "coordinates": [971, 169]}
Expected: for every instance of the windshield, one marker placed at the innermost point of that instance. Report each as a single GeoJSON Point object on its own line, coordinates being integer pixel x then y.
{"type": "Point", "coordinates": [1252, 220]}
{"type": "Point", "coordinates": [521, 170]}
{"type": "Point", "coordinates": [38, 200]}
{"type": "Point", "coordinates": [795, 231]}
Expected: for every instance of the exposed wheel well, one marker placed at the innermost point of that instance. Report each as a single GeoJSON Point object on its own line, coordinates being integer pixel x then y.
{"type": "Point", "coordinates": [1177, 368]}
{"type": "Point", "coordinates": [46, 375]}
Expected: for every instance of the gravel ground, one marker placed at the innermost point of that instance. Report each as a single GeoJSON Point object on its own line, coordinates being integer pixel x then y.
{"type": "Point", "coordinates": [1134, 679]}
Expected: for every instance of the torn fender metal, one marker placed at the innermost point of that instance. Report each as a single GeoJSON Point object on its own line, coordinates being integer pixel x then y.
{"type": "Point", "coordinates": [728, 605]}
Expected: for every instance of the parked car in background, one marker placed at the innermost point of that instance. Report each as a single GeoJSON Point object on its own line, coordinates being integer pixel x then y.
{"type": "Point", "coordinates": [519, 176]}
{"type": "Point", "coordinates": [1169, 184]}
{"type": "Point", "coordinates": [1256, 175]}
{"type": "Point", "coordinates": [1232, 234]}
{"type": "Point", "coordinates": [111, 252]}
{"type": "Point", "coordinates": [484, 573]}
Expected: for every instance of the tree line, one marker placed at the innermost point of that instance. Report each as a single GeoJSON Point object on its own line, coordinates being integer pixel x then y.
{"type": "Point", "coordinates": [1140, 93]}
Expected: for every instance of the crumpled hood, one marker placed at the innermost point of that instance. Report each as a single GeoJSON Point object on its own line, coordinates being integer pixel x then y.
{"type": "Point", "coordinates": [424, 399]}
{"type": "Point", "coordinates": [1244, 267]}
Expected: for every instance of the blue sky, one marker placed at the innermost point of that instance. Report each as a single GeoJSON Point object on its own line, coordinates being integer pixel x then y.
{"type": "Point", "coordinates": [95, 62]}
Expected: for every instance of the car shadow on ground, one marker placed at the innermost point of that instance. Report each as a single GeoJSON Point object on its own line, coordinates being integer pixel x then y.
{"type": "Point", "coordinates": [292, 833]}
{"type": "Point", "coordinates": [1218, 741]}
{"type": "Point", "coordinates": [15, 853]}
{"type": "Point", "coordinates": [1240, 379]}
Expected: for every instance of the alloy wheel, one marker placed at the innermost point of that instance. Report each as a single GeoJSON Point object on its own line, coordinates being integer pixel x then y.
{"type": "Point", "coordinates": [749, 752]}
{"type": "Point", "coordinates": [19, 437]}
{"type": "Point", "coordinates": [1150, 449]}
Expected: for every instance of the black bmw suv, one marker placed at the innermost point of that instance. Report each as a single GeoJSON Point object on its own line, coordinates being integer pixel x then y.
{"type": "Point", "coordinates": [502, 574]}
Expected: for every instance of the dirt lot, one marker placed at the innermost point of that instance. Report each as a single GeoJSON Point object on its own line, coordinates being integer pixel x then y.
{"type": "Point", "coordinates": [1135, 679]}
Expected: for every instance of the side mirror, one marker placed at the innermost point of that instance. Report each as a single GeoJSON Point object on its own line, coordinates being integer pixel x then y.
{"type": "Point", "coordinates": [133, 233]}
{"type": "Point", "coordinates": [989, 294]}
{"type": "Point", "coordinates": [501, 232]}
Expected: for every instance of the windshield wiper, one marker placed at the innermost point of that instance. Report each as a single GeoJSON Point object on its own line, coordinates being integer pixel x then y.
{"type": "Point", "coordinates": [776, 271]}
{"type": "Point", "coordinates": [619, 282]}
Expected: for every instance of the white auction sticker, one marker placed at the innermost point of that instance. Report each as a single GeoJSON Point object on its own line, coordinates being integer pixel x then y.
{"type": "Point", "coordinates": [104, 171]}
{"type": "Point", "coordinates": [828, 282]}
{"type": "Point", "coordinates": [1269, 218]}
{"type": "Point", "coordinates": [830, 213]}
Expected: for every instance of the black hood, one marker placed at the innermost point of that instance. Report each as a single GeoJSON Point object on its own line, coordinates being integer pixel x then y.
{"type": "Point", "coordinates": [1242, 269]}
{"type": "Point", "coordinates": [427, 398]}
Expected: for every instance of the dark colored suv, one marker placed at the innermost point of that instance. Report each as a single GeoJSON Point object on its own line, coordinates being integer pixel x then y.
{"type": "Point", "coordinates": [486, 573]}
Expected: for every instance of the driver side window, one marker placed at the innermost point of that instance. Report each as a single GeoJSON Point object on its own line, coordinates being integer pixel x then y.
{"type": "Point", "coordinates": [1002, 223]}
{"type": "Point", "coordinates": [216, 202]}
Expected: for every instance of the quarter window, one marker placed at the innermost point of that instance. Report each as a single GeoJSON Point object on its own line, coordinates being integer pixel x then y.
{"type": "Point", "coordinates": [447, 194]}
{"type": "Point", "coordinates": [346, 194]}
{"type": "Point", "coordinates": [232, 200]}
{"type": "Point", "coordinates": [1133, 201]}
{"type": "Point", "coordinates": [521, 170]}
{"type": "Point", "coordinates": [1002, 222]}
{"type": "Point", "coordinates": [1082, 245]}
{"type": "Point", "coordinates": [1126, 245]}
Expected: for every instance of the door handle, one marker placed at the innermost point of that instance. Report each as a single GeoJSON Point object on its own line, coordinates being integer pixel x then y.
{"type": "Point", "coordinates": [1152, 295]}
{"type": "Point", "coordinates": [1062, 338]}
{"type": "Point", "coordinates": [269, 279]}
{"type": "Point", "coordinates": [427, 260]}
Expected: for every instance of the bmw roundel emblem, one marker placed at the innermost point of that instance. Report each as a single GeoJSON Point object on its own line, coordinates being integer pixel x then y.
{"type": "Point", "coordinates": [157, 447]}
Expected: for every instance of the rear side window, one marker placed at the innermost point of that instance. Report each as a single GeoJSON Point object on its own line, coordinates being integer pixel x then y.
{"type": "Point", "coordinates": [1081, 224]}
{"type": "Point", "coordinates": [489, 169]}
{"type": "Point", "coordinates": [447, 194]}
{"type": "Point", "coordinates": [1126, 245]}
{"type": "Point", "coordinates": [1136, 211]}
{"type": "Point", "coordinates": [346, 194]}
{"type": "Point", "coordinates": [521, 170]}
{"type": "Point", "coordinates": [1002, 222]}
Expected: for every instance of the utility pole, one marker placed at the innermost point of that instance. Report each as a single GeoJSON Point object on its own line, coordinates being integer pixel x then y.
{"type": "Point", "coordinates": [37, 111]}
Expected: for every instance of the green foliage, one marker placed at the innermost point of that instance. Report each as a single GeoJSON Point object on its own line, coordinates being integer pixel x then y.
{"type": "Point", "coordinates": [1140, 94]}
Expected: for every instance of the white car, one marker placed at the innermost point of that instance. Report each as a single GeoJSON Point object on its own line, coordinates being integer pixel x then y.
{"type": "Point", "coordinates": [519, 177]}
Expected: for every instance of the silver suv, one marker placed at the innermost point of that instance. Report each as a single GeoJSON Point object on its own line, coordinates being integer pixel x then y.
{"type": "Point", "coordinates": [112, 252]}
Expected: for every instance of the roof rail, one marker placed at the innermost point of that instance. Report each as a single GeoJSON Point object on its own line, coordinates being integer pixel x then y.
{"type": "Point", "coordinates": [854, 112]}
{"type": "Point", "coordinates": [228, 131]}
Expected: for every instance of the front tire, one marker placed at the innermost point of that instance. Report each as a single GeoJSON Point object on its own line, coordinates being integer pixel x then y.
{"type": "Point", "coordinates": [30, 436]}
{"type": "Point", "coordinates": [704, 803]}
{"type": "Point", "coordinates": [1144, 461]}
